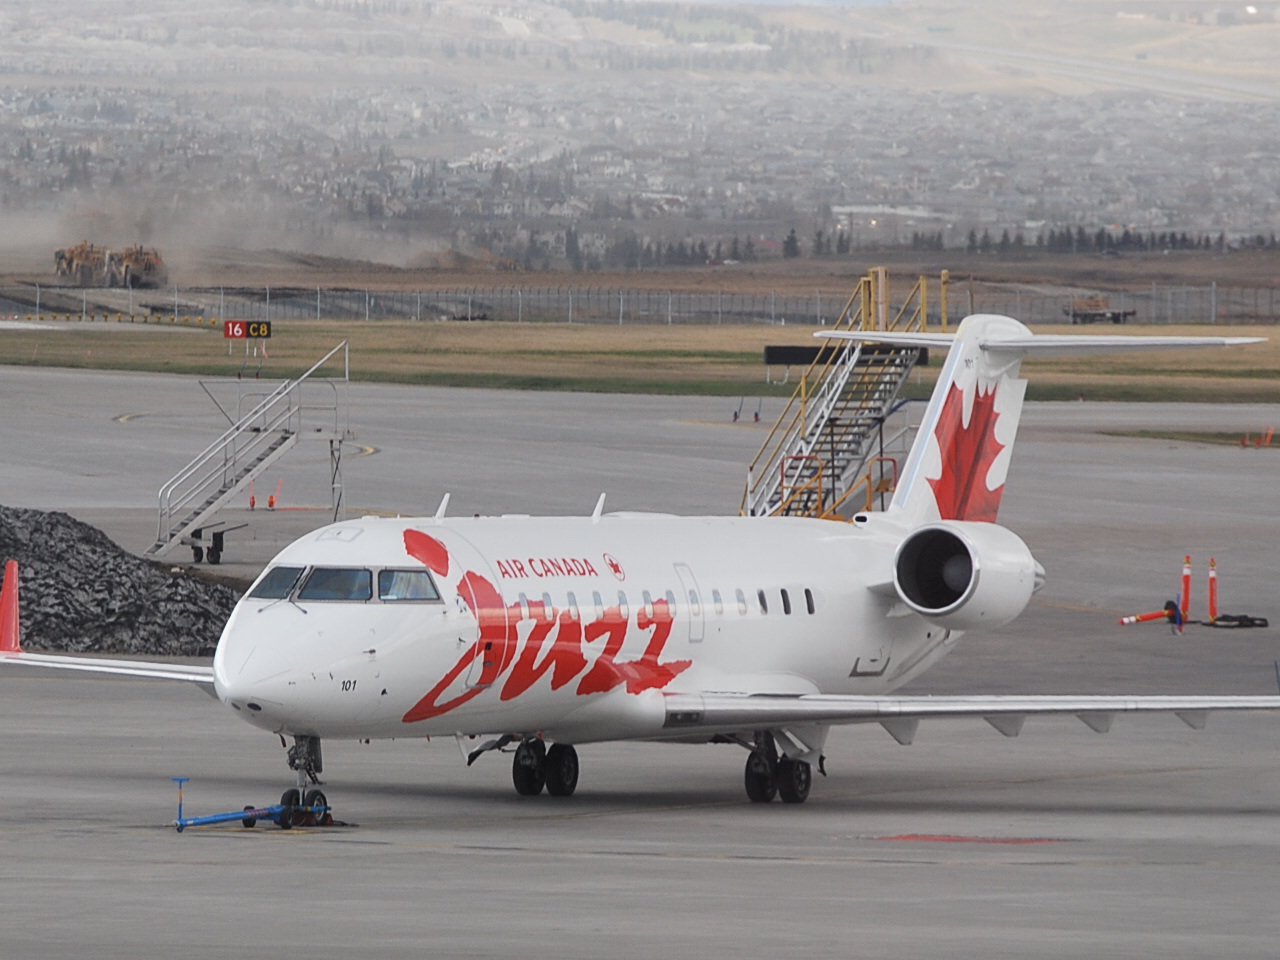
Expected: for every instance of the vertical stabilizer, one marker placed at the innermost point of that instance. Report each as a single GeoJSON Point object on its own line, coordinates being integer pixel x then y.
{"type": "Point", "coordinates": [957, 467]}
{"type": "Point", "coordinates": [9, 610]}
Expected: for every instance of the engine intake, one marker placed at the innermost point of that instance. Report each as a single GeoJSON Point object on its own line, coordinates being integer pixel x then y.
{"type": "Point", "coordinates": [964, 575]}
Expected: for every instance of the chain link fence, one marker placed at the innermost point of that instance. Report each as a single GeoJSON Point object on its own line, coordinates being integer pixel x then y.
{"type": "Point", "coordinates": [1162, 304]}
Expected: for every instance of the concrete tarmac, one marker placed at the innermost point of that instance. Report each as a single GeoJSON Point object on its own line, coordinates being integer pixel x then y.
{"type": "Point", "coordinates": [1154, 840]}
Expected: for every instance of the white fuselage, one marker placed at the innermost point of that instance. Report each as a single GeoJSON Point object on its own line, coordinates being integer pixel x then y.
{"type": "Point", "coordinates": [570, 627]}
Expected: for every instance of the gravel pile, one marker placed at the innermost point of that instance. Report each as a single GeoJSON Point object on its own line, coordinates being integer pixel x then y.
{"type": "Point", "coordinates": [81, 592]}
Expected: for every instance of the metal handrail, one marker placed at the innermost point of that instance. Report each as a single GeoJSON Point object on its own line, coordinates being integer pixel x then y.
{"type": "Point", "coordinates": [262, 426]}
{"type": "Point", "coordinates": [801, 426]}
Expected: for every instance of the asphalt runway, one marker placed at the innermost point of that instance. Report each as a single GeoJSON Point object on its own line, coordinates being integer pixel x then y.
{"type": "Point", "coordinates": [1153, 840]}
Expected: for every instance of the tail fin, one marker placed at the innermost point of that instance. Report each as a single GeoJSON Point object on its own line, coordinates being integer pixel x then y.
{"type": "Point", "coordinates": [957, 467]}
{"type": "Point", "coordinates": [9, 638]}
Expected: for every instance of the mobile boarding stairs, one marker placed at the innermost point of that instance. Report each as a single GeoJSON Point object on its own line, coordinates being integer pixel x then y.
{"type": "Point", "coordinates": [254, 441]}
{"type": "Point", "coordinates": [846, 427]}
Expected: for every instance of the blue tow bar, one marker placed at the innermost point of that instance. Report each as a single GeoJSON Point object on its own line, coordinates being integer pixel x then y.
{"type": "Point", "coordinates": [315, 814]}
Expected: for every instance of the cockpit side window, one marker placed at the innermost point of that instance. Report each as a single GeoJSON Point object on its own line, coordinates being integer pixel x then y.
{"type": "Point", "coordinates": [337, 583]}
{"type": "Point", "coordinates": [398, 585]}
{"type": "Point", "coordinates": [277, 584]}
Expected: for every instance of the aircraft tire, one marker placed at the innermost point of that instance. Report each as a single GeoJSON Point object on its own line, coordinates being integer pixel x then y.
{"type": "Point", "coordinates": [527, 768]}
{"type": "Point", "coordinates": [289, 800]}
{"type": "Point", "coordinates": [794, 779]}
{"type": "Point", "coordinates": [316, 798]}
{"type": "Point", "coordinates": [561, 770]}
{"type": "Point", "coordinates": [758, 779]}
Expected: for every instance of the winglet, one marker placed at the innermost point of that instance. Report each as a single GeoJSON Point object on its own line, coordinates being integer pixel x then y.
{"type": "Point", "coordinates": [9, 610]}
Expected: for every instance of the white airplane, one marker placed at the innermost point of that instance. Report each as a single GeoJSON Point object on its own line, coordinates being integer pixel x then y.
{"type": "Point", "coordinates": [518, 632]}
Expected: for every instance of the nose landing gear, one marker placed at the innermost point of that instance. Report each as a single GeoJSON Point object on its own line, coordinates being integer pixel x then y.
{"type": "Point", "coordinates": [305, 807]}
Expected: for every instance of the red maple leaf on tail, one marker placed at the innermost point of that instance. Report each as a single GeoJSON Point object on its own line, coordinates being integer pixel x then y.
{"type": "Point", "coordinates": [967, 454]}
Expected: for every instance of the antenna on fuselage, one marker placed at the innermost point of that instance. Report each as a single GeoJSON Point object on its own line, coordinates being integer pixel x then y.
{"type": "Point", "coordinates": [444, 505]}
{"type": "Point", "coordinates": [595, 514]}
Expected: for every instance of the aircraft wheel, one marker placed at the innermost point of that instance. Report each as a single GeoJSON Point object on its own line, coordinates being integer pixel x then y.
{"type": "Point", "coordinates": [527, 768]}
{"type": "Point", "coordinates": [316, 798]}
{"type": "Point", "coordinates": [760, 784]}
{"type": "Point", "coordinates": [561, 770]}
{"type": "Point", "coordinates": [794, 779]}
{"type": "Point", "coordinates": [289, 800]}
{"type": "Point", "coordinates": [249, 822]}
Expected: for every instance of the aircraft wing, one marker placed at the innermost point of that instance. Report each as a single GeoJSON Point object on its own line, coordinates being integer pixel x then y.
{"type": "Point", "coordinates": [731, 712]}
{"type": "Point", "coordinates": [192, 673]}
{"type": "Point", "coordinates": [11, 649]}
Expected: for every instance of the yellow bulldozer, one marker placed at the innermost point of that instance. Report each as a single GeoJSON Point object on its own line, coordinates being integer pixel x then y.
{"type": "Point", "coordinates": [88, 265]}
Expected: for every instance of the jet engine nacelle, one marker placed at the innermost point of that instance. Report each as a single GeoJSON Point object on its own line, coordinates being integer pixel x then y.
{"type": "Point", "coordinates": [964, 575]}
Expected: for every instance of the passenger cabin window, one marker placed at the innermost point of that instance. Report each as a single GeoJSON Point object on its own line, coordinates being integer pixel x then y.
{"type": "Point", "coordinates": [764, 604]}
{"type": "Point", "coordinates": [695, 606]}
{"type": "Point", "coordinates": [623, 607]}
{"type": "Point", "coordinates": [337, 583]}
{"type": "Point", "coordinates": [395, 586]}
{"type": "Point", "coordinates": [599, 602]}
{"type": "Point", "coordinates": [573, 606]}
{"type": "Point", "coordinates": [786, 603]}
{"type": "Point", "coordinates": [277, 584]}
{"type": "Point", "coordinates": [808, 599]}
{"type": "Point", "coordinates": [742, 602]}
{"type": "Point", "coordinates": [648, 603]}
{"type": "Point", "coordinates": [718, 601]}
{"type": "Point", "coordinates": [671, 603]}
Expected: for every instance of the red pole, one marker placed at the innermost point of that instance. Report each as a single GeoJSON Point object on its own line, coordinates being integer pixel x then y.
{"type": "Point", "coordinates": [1186, 587]}
{"type": "Point", "coordinates": [1213, 590]}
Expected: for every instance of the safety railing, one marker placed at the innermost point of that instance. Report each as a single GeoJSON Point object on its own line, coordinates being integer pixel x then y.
{"type": "Point", "coordinates": [244, 450]}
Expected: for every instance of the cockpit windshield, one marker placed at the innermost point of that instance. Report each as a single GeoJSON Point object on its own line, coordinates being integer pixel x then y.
{"type": "Point", "coordinates": [346, 583]}
{"type": "Point", "coordinates": [337, 583]}
{"type": "Point", "coordinates": [396, 585]}
{"type": "Point", "coordinates": [277, 584]}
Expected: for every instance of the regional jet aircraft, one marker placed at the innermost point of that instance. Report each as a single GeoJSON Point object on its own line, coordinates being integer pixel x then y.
{"type": "Point", "coordinates": [532, 635]}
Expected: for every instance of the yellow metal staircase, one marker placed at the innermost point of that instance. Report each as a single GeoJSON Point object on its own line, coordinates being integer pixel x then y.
{"type": "Point", "coordinates": [829, 443]}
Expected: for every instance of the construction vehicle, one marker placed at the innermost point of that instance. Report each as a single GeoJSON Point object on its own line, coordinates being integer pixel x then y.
{"type": "Point", "coordinates": [88, 265]}
{"type": "Point", "coordinates": [85, 264]}
{"type": "Point", "coordinates": [1096, 310]}
{"type": "Point", "coordinates": [135, 267]}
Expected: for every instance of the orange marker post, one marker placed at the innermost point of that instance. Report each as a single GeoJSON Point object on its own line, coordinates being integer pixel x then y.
{"type": "Point", "coordinates": [1146, 617]}
{"type": "Point", "coordinates": [1213, 590]}
{"type": "Point", "coordinates": [1186, 587]}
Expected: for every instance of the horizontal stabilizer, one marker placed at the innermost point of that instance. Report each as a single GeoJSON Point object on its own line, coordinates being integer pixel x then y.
{"type": "Point", "coordinates": [1042, 345]}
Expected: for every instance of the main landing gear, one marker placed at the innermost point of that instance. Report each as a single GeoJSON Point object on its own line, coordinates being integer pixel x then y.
{"type": "Point", "coordinates": [535, 766]}
{"type": "Point", "coordinates": [767, 775]}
